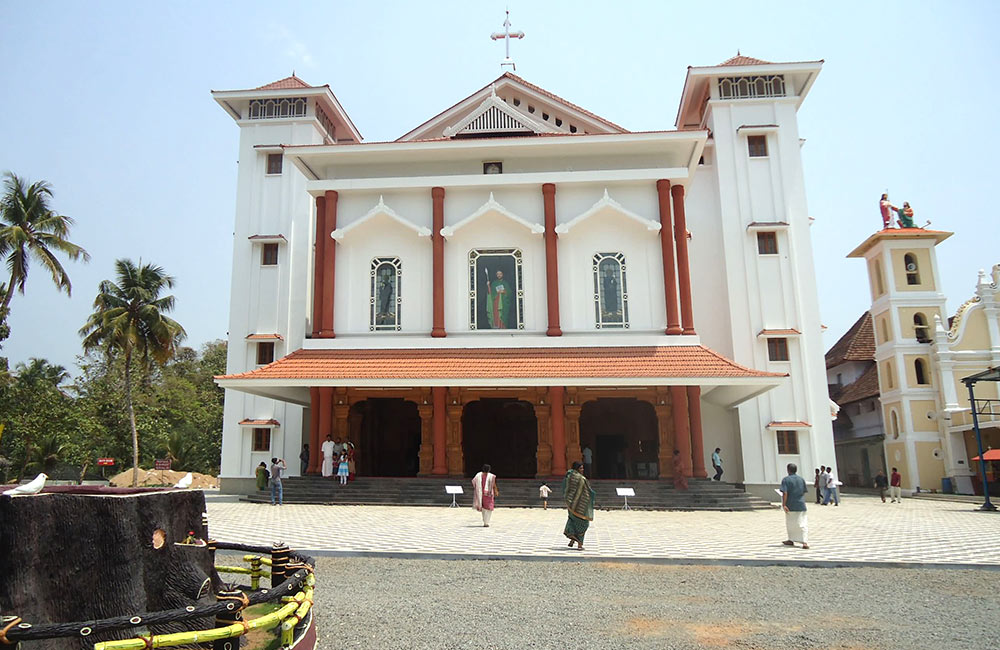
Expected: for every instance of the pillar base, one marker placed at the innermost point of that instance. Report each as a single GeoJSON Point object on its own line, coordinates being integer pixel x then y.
{"type": "Point", "coordinates": [438, 333]}
{"type": "Point", "coordinates": [326, 334]}
{"type": "Point", "coordinates": [689, 330]}
{"type": "Point", "coordinates": [553, 331]}
{"type": "Point", "coordinates": [675, 330]}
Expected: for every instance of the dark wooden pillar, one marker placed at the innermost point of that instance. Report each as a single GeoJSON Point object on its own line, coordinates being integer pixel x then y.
{"type": "Point", "coordinates": [557, 419]}
{"type": "Point", "coordinates": [697, 443]}
{"type": "Point", "coordinates": [437, 240]}
{"type": "Point", "coordinates": [315, 440]}
{"type": "Point", "coordinates": [439, 397]}
{"type": "Point", "coordinates": [667, 249]}
{"type": "Point", "coordinates": [426, 453]}
{"type": "Point", "coordinates": [683, 268]}
{"type": "Point", "coordinates": [456, 457]}
{"type": "Point", "coordinates": [551, 259]}
{"type": "Point", "coordinates": [682, 434]}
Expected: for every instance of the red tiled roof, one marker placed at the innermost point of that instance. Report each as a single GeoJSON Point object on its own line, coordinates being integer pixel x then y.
{"type": "Point", "coordinates": [260, 423]}
{"type": "Point", "coordinates": [283, 84]}
{"type": "Point", "coordinates": [739, 59]}
{"type": "Point", "coordinates": [777, 424]}
{"type": "Point", "coordinates": [858, 344]}
{"type": "Point", "coordinates": [264, 337]}
{"type": "Point", "coordinates": [863, 387]}
{"type": "Point", "coordinates": [499, 363]}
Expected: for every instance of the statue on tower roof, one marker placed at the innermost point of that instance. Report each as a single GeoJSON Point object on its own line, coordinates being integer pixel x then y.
{"type": "Point", "coordinates": [904, 214]}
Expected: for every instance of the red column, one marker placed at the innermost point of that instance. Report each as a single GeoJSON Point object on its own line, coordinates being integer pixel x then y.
{"type": "Point", "coordinates": [314, 439]}
{"type": "Point", "coordinates": [329, 265]}
{"type": "Point", "coordinates": [318, 260]}
{"type": "Point", "coordinates": [551, 259]}
{"type": "Point", "coordinates": [667, 246]}
{"type": "Point", "coordinates": [325, 418]}
{"type": "Point", "coordinates": [697, 443]}
{"type": "Point", "coordinates": [440, 424]}
{"type": "Point", "coordinates": [683, 268]}
{"type": "Point", "coordinates": [437, 239]}
{"type": "Point", "coordinates": [682, 435]}
{"type": "Point", "coordinates": [558, 423]}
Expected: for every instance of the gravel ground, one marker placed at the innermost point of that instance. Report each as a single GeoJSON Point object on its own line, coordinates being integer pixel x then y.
{"type": "Point", "coordinates": [389, 603]}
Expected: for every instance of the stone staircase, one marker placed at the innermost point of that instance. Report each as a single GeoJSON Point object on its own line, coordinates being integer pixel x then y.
{"type": "Point", "coordinates": [704, 494]}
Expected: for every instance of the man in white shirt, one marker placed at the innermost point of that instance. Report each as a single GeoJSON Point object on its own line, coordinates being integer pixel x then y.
{"type": "Point", "coordinates": [588, 459]}
{"type": "Point", "coordinates": [831, 484]}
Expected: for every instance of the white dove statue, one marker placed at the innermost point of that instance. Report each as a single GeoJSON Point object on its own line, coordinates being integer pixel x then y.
{"type": "Point", "coordinates": [34, 487]}
{"type": "Point", "coordinates": [185, 482]}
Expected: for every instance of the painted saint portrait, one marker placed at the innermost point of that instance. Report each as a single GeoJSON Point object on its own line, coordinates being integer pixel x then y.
{"type": "Point", "coordinates": [610, 293]}
{"type": "Point", "coordinates": [497, 298]}
{"type": "Point", "coordinates": [386, 273]}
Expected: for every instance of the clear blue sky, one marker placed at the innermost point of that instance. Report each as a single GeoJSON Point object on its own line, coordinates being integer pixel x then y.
{"type": "Point", "coordinates": [109, 101]}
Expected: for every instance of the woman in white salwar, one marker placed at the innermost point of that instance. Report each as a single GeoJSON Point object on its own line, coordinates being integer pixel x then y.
{"type": "Point", "coordinates": [329, 449]}
{"type": "Point", "coordinates": [484, 487]}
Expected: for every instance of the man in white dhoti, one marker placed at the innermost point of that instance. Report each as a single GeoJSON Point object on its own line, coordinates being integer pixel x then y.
{"type": "Point", "coordinates": [793, 502]}
{"type": "Point", "coordinates": [329, 451]}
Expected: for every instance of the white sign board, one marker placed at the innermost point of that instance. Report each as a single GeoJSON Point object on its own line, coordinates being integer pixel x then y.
{"type": "Point", "coordinates": [454, 489]}
{"type": "Point", "coordinates": [625, 492]}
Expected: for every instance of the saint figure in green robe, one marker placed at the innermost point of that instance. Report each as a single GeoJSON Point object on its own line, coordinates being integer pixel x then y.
{"type": "Point", "coordinates": [499, 295]}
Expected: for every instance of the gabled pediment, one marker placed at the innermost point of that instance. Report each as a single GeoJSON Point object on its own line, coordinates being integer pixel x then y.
{"type": "Point", "coordinates": [492, 207]}
{"type": "Point", "coordinates": [494, 115]}
{"type": "Point", "coordinates": [528, 104]}
{"type": "Point", "coordinates": [380, 210]}
{"type": "Point", "coordinates": [607, 205]}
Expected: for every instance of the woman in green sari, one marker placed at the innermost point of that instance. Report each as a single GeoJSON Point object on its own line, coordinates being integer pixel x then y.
{"type": "Point", "coordinates": [579, 503]}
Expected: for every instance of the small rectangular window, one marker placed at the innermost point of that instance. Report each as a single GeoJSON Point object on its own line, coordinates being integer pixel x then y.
{"type": "Point", "coordinates": [757, 146]}
{"type": "Point", "coordinates": [265, 352]}
{"type": "Point", "coordinates": [269, 254]}
{"type": "Point", "coordinates": [788, 442]}
{"type": "Point", "coordinates": [777, 349]}
{"type": "Point", "coordinates": [493, 167]}
{"type": "Point", "coordinates": [274, 163]}
{"type": "Point", "coordinates": [767, 243]}
{"type": "Point", "coordinates": [261, 440]}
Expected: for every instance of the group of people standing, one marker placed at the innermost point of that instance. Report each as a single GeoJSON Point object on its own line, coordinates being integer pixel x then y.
{"type": "Point", "coordinates": [826, 485]}
{"type": "Point", "coordinates": [340, 456]}
{"type": "Point", "coordinates": [577, 493]}
{"type": "Point", "coordinates": [894, 483]}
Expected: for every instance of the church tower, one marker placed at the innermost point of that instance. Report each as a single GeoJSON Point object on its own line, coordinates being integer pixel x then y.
{"type": "Point", "coordinates": [906, 302]}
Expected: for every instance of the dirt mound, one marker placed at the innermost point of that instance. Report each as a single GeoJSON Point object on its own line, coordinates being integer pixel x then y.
{"type": "Point", "coordinates": [160, 477]}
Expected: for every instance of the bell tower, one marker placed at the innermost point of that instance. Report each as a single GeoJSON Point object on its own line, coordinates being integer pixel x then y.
{"type": "Point", "coordinates": [906, 301]}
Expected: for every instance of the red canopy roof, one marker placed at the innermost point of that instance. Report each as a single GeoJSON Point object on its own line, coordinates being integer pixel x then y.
{"type": "Point", "coordinates": [990, 454]}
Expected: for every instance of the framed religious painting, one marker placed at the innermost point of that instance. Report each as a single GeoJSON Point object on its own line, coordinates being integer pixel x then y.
{"type": "Point", "coordinates": [384, 297]}
{"type": "Point", "coordinates": [496, 289]}
{"type": "Point", "coordinates": [610, 291]}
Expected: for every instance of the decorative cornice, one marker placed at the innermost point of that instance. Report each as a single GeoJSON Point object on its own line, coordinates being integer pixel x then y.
{"type": "Point", "coordinates": [606, 202]}
{"type": "Point", "coordinates": [494, 103]}
{"type": "Point", "coordinates": [383, 209]}
{"type": "Point", "coordinates": [492, 205]}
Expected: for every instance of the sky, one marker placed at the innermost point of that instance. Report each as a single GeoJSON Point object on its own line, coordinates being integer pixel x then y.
{"type": "Point", "coordinates": [109, 102]}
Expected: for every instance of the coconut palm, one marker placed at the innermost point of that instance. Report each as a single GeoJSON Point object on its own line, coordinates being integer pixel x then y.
{"type": "Point", "coordinates": [45, 456]}
{"type": "Point", "coordinates": [129, 319]}
{"type": "Point", "coordinates": [31, 230]}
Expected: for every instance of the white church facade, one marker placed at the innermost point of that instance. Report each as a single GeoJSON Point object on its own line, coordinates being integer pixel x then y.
{"type": "Point", "coordinates": [517, 278]}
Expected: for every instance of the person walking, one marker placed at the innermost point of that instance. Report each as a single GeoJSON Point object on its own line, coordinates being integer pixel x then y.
{"type": "Point", "coordinates": [793, 502]}
{"type": "Point", "coordinates": [680, 477]}
{"type": "Point", "coordinates": [579, 497]}
{"type": "Point", "coordinates": [484, 487]}
{"type": "Point", "coordinates": [329, 449]}
{"type": "Point", "coordinates": [819, 497]}
{"type": "Point", "coordinates": [896, 486]}
{"type": "Point", "coordinates": [881, 482]}
{"type": "Point", "coordinates": [277, 472]}
{"type": "Point", "coordinates": [543, 494]}
{"type": "Point", "coordinates": [717, 464]}
{"type": "Point", "coordinates": [831, 487]}
{"type": "Point", "coordinates": [823, 479]}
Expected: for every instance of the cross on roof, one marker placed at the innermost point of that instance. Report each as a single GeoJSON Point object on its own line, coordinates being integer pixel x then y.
{"type": "Point", "coordinates": [507, 35]}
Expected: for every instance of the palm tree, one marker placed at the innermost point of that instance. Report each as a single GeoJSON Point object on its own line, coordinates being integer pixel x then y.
{"type": "Point", "coordinates": [47, 455]}
{"type": "Point", "coordinates": [31, 230]}
{"type": "Point", "coordinates": [129, 319]}
{"type": "Point", "coordinates": [36, 377]}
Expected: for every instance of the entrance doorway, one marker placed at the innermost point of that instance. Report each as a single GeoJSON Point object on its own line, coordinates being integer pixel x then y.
{"type": "Point", "coordinates": [503, 433]}
{"type": "Point", "coordinates": [623, 436]}
{"type": "Point", "coordinates": [388, 442]}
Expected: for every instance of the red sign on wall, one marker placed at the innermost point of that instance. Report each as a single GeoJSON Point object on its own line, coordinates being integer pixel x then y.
{"type": "Point", "coordinates": [105, 461]}
{"type": "Point", "coordinates": [161, 464]}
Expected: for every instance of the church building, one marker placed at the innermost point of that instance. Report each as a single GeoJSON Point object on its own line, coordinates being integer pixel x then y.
{"type": "Point", "coordinates": [516, 279]}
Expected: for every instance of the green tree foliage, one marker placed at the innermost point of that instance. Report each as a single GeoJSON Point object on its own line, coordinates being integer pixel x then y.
{"type": "Point", "coordinates": [130, 319]}
{"type": "Point", "coordinates": [178, 411]}
{"type": "Point", "coordinates": [30, 230]}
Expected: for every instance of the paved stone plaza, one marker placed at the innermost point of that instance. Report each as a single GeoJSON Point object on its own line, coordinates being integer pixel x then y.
{"type": "Point", "coordinates": [861, 531]}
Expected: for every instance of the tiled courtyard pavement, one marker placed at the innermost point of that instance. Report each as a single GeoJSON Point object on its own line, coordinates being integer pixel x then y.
{"type": "Point", "coordinates": [862, 531]}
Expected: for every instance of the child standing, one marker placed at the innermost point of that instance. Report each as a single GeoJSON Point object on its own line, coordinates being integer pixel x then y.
{"type": "Point", "coordinates": [343, 469]}
{"type": "Point", "coordinates": [544, 493]}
